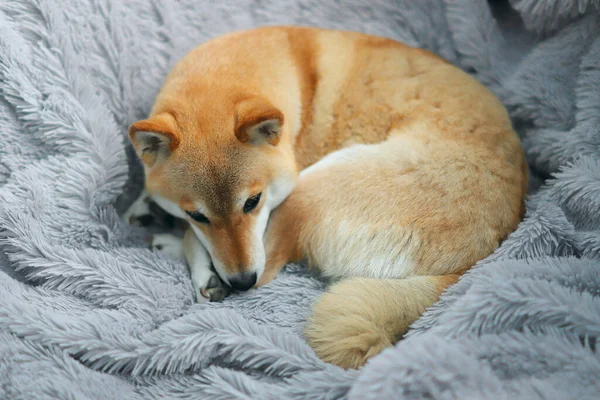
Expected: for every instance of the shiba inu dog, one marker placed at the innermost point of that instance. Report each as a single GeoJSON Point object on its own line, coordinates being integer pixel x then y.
{"type": "Point", "coordinates": [384, 166]}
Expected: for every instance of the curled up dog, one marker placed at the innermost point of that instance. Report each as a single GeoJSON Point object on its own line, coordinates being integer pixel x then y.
{"type": "Point", "coordinates": [383, 166]}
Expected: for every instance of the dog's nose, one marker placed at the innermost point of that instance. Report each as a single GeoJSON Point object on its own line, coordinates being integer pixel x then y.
{"type": "Point", "coordinates": [243, 281]}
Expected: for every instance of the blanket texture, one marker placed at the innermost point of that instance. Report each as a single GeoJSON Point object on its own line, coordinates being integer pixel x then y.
{"type": "Point", "coordinates": [88, 312]}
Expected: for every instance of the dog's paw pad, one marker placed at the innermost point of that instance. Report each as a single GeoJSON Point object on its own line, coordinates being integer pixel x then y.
{"type": "Point", "coordinates": [215, 290]}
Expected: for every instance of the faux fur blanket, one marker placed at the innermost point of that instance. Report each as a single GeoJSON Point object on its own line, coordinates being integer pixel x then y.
{"type": "Point", "coordinates": [88, 312]}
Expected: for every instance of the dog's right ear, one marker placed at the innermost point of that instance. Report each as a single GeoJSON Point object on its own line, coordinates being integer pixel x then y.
{"type": "Point", "coordinates": [155, 138]}
{"type": "Point", "coordinates": [258, 122]}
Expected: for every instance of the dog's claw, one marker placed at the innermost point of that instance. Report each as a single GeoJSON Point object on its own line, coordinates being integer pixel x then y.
{"type": "Point", "coordinates": [204, 293]}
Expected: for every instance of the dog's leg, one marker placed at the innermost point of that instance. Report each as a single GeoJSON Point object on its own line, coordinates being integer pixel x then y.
{"type": "Point", "coordinates": [207, 284]}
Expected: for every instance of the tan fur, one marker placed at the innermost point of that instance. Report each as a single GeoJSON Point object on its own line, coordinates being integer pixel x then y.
{"type": "Point", "coordinates": [373, 315]}
{"type": "Point", "coordinates": [414, 171]}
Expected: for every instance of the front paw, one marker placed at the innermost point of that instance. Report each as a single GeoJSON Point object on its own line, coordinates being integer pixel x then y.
{"type": "Point", "coordinates": [207, 284]}
{"type": "Point", "coordinates": [139, 213]}
{"type": "Point", "coordinates": [168, 244]}
{"type": "Point", "coordinates": [205, 280]}
{"type": "Point", "coordinates": [215, 290]}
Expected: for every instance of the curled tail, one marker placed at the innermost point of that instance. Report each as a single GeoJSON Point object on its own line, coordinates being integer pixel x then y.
{"type": "Point", "coordinates": [358, 318]}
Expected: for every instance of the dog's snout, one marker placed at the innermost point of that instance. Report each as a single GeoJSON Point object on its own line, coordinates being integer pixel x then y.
{"type": "Point", "coordinates": [243, 281]}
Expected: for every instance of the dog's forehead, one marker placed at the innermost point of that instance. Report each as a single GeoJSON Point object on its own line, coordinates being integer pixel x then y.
{"type": "Point", "coordinates": [219, 179]}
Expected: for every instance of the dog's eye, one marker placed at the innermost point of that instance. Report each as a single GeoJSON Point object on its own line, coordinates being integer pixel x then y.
{"type": "Point", "coordinates": [251, 203]}
{"type": "Point", "coordinates": [198, 217]}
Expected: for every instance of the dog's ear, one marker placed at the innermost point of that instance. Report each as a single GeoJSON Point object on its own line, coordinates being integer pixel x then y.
{"type": "Point", "coordinates": [155, 138]}
{"type": "Point", "coordinates": [258, 122]}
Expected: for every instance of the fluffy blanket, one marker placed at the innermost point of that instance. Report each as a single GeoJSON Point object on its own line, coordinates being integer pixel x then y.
{"type": "Point", "coordinates": [88, 312]}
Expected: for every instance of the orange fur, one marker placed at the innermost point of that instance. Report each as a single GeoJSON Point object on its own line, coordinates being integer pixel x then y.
{"type": "Point", "coordinates": [411, 171]}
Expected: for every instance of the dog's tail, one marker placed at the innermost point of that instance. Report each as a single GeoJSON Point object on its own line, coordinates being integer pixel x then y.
{"type": "Point", "coordinates": [357, 318]}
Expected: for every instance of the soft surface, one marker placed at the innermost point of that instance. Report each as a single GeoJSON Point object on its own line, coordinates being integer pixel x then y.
{"type": "Point", "coordinates": [87, 312]}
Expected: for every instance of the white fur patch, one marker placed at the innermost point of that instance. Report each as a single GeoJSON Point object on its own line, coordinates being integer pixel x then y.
{"type": "Point", "coordinates": [348, 250]}
{"type": "Point", "coordinates": [169, 244]}
{"type": "Point", "coordinates": [278, 191]}
{"type": "Point", "coordinates": [199, 263]}
{"type": "Point", "coordinates": [343, 156]}
{"type": "Point", "coordinates": [138, 208]}
{"type": "Point", "coordinates": [258, 247]}
{"type": "Point", "coordinates": [169, 206]}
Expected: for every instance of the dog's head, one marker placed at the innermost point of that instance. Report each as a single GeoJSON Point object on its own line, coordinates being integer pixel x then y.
{"type": "Point", "coordinates": [220, 165]}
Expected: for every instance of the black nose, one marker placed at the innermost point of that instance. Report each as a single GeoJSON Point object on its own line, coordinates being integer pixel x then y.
{"type": "Point", "coordinates": [243, 281]}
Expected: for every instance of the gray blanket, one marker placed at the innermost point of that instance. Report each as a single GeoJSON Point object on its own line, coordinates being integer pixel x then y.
{"type": "Point", "coordinates": [88, 312]}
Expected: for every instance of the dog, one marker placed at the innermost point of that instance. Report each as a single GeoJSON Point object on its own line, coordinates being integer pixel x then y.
{"type": "Point", "coordinates": [383, 166]}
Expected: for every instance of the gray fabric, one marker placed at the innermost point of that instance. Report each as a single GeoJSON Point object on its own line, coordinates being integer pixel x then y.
{"type": "Point", "coordinates": [89, 313]}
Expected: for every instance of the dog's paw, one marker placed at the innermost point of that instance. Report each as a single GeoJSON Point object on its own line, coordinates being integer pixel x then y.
{"type": "Point", "coordinates": [140, 213]}
{"type": "Point", "coordinates": [214, 290]}
{"type": "Point", "coordinates": [205, 280]}
{"type": "Point", "coordinates": [168, 244]}
{"type": "Point", "coordinates": [207, 284]}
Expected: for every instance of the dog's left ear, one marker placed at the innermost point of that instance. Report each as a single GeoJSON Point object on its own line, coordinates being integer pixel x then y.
{"type": "Point", "coordinates": [258, 122]}
{"type": "Point", "coordinates": [154, 138]}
